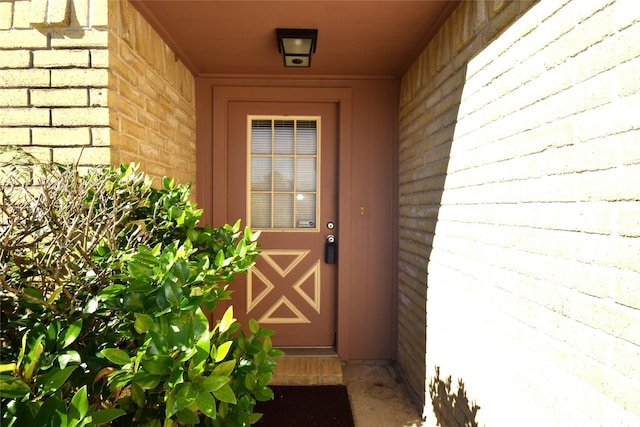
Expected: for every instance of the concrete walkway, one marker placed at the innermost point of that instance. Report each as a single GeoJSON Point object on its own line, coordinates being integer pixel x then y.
{"type": "Point", "coordinates": [378, 396]}
{"type": "Point", "coordinates": [377, 393]}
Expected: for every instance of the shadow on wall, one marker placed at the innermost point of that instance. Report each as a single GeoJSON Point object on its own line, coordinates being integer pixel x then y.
{"type": "Point", "coordinates": [430, 99]}
{"type": "Point", "coordinates": [452, 408]}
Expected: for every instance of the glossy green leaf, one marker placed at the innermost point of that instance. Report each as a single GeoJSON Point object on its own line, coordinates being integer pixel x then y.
{"type": "Point", "coordinates": [159, 365]}
{"type": "Point", "coordinates": [276, 352]}
{"type": "Point", "coordinates": [79, 404]}
{"type": "Point", "coordinates": [143, 323]}
{"type": "Point", "coordinates": [112, 291]}
{"type": "Point", "coordinates": [212, 383]}
{"type": "Point", "coordinates": [53, 412]}
{"type": "Point", "coordinates": [120, 379]}
{"type": "Point", "coordinates": [116, 356]}
{"type": "Point", "coordinates": [254, 327]}
{"type": "Point", "coordinates": [146, 380]}
{"type": "Point", "coordinates": [200, 323]}
{"type": "Point", "coordinates": [55, 294]}
{"type": "Point", "coordinates": [176, 212]}
{"type": "Point", "coordinates": [138, 395]}
{"type": "Point", "coordinates": [187, 417]}
{"type": "Point", "coordinates": [264, 377]}
{"type": "Point", "coordinates": [23, 349]}
{"type": "Point", "coordinates": [263, 394]}
{"type": "Point", "coordinates": [241, 249]}
{"type": "Point", "coordinates": [71, 333]}
{"type": "Point", "coordinates": [177, 377]}
{"type": "Point", "coordinates": [254, 417]}
{"type": "Point", "coordinates": [193, 235]}
{"type": "Point", "coordinates": [204, 344]}
{"type": "Point", "coordinates": [133, 301]}
{"type": "Point", "coordinates": [70, 357]}
{"type": "Point", "coordinates": [267, 345]}
{"type": "Point", "coordinates": [54, 379]}
{"type": "Point", "coordinates": [249, 382]}
{"type": "Point", "coordinates": [31, 304]}
{"type": "Point", "coordinates": [227, 320]}
{"type": "Point", "coordinates": [219, 258]}
{"type": "Point", "coordinates": [225, 394]}
{"type": "Point", "coordinates": [159, 341]}
{"type": "Point", "coordinates": [222, 351]}
{"type": "Point", "coordinates": [148, 317]}
{"type": "Point", "coordinates": [53, 329]}
{"type": "Point", "coordinates": [172, 293]}
{"type": "Point", "coordinates": [223, 409]}
{"type": "Point", "coordinates": [8, 367]}
{"type": "Point", "coordinates": [102, 250]}
{"type": "Point", "coordinates": [16, 410]}
{"type": "Point", "coordinates": [206, 404]}
{"type": "Point", "coordinates": [12, 387]}
{"type": "Point", "coordinates": [105, 416]}
{"type": "Point", "coordinates": [196, 370]}
{"type": "Point", "coordinates": [181, 270]}
{"type": "Point", "coordinates": [139, 270]}
{"type": "Point", "coordinates": [225, 368]}
{"type": "Point", "coordinates": [260, 358]}
{"type": "Point", "coordinates": [180, 397]}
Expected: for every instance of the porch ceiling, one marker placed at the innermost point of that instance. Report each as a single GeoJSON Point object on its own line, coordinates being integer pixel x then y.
{"type": "Point", "coordinates": [355, 37]}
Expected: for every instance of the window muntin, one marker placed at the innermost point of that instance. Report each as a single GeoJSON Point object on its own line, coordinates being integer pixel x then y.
{"type": "Point", "coordinates": [283, 172]}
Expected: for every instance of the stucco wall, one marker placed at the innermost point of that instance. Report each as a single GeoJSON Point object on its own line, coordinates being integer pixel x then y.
{"type": "Point", "coordinates": [520, 215]}
{"type": "Point", "coordinates": [53, 79]}
{"type": "Point", "coordinates": [151, 99]}
{"type": "Point", "coordinates": [366, 178]}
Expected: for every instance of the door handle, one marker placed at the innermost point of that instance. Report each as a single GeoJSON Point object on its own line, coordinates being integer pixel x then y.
{"type": "Point", "coordinates": [330, 249]}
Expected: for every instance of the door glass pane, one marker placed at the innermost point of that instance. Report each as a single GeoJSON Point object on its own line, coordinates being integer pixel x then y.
{"type": "Point", "coordinates": [284, 136]}
{"type": "Point", "coordinates": [283, 211]}
{"type": "Point", "coordinates": [306, 174]}
{"type": "Point", "coordinates": [283, 178]}
{"type": "Point", "coordinates": [306, 142]}
{"type": "Point", "coordinates": [261, 137]}
{"type": "Point", "coordinates": [261, 174]}
{"type": "Point", "coordinates": [305, 209]}
{"type": "Point", "coordinates": [261, 210]}
{"type": "Point", "coordinates": [283, 172]}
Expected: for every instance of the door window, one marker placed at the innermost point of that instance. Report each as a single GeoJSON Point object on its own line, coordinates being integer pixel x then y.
{"type": "Point", "coordinates": [283, 172]}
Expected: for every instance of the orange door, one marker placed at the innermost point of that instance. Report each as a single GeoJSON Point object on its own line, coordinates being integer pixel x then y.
{"type": "Point", "coordinates": [282, 180]}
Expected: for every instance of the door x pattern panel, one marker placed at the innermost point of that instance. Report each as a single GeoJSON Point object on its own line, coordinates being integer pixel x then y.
{"type": "Point", "coordinates": [269, 301]}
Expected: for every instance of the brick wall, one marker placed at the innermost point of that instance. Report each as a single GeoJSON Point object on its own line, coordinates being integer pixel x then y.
{"type": "Point", "coordinates": [520, 214]}
{"type": "Point", "coordinates": [151, 99]}
{"type": "Point", "coordinates": [90, 81]}
{"type": "Point", "coordinates": [53, 79]}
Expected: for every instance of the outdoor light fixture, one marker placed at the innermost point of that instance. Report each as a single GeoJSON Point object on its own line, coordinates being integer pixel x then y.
{"type": "Point", "coordinates": [296, 46]}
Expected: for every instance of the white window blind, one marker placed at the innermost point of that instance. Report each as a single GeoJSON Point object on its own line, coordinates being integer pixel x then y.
{"type": "Point", "coordinates": [283, 173]}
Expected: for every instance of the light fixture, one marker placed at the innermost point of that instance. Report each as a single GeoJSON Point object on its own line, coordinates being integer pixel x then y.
{"type": "Point", "coordinates": [296, 46]}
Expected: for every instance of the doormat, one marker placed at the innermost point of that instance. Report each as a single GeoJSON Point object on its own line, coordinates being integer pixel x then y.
{"type": "Point", "coordinates": [306, 406]}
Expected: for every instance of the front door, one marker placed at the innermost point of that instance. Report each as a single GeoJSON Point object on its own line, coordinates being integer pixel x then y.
{"type": "Point", "coordinates": [282, 180]}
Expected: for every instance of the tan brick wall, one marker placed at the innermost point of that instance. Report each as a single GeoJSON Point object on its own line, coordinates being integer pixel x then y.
{"type": "Point", "coordinates": [91, 78]}
{"type": "Point", "coordinates": [151, 98]}
{"type": "Point", "coordinates": [53, 79]}
{"type": "Point", "coordinates": [520, 212]}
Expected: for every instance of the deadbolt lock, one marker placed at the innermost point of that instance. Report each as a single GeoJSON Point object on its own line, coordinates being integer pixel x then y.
{"type": "Point", "coordinates": [330, 249]}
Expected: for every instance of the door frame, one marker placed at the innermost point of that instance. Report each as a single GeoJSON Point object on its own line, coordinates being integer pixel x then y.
{"type": "Point", "coordinates": [211, 170]}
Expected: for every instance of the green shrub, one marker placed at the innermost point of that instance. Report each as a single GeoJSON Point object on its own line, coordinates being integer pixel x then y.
{"type": "Point", "coordinates": [104, 280]}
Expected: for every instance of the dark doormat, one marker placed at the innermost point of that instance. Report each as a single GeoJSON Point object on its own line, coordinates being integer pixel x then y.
{"type": "Point", "coordinates": [306, 406]}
